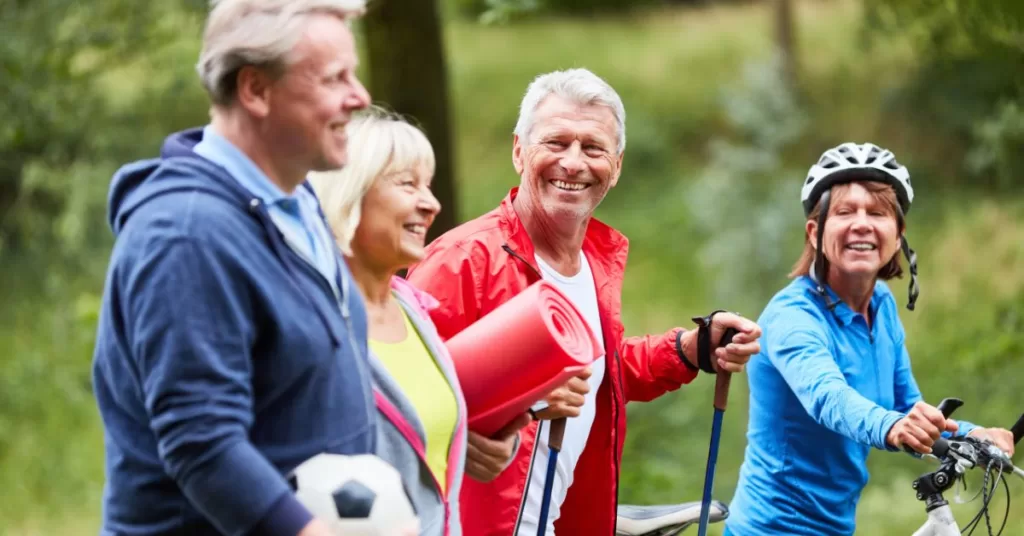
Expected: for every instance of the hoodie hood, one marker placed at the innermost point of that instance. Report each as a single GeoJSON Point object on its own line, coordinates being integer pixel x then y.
{"type": "Point", "coordinates": [181, 143]}
{"type": "Point", "coordinates": [178, 168]}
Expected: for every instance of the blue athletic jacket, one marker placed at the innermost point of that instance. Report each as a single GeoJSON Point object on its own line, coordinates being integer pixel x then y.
{"type": "Point", "coordinates": [824, 390]}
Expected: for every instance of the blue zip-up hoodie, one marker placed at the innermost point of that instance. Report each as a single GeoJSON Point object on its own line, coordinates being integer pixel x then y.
{"type": "Point", "coordinates": [222, 360]}
{"type": "Point", "coordinates": [824, 390]}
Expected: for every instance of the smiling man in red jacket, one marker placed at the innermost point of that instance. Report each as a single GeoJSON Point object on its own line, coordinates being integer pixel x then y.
{"type": "Point", "coordinates": [567, 149]}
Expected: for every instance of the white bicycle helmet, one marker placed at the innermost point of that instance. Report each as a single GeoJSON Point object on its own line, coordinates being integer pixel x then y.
{"type": "Point", "coordinates": [851, 161]}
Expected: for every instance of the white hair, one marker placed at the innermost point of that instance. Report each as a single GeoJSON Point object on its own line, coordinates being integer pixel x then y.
{"type": "Point", "coordinates": [379, 143]}
{"type": "Point", "coordinates": [578, 86]}
{"type": "Point", "coordinates": [260, 33]}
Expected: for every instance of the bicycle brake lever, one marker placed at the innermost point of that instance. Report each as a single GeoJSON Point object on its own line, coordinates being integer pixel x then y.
{"type": "Point", "coordinates": [989, 452]}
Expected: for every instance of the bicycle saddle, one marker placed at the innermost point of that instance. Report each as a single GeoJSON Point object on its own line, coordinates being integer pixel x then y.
{"type": "Point", "coordinates": [664, 520]}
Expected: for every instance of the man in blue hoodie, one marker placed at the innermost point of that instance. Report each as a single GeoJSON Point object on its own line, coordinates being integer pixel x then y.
{"type": "Point", "coordinates": [231, 343]}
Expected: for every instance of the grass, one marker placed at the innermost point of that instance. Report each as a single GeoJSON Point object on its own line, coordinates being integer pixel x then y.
{"type": "Point", "coordinates": [670, 67]}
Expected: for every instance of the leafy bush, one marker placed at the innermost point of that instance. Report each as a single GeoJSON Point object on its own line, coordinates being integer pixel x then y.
{"type": "Point", "coordinates": [747, 198]}
{"type": "Point", "coordinates": [999, 142]}
{"type": "Point", "coordinates": [969, 82]}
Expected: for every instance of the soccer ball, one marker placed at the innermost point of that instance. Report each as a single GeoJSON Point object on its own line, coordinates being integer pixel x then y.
{"type": "Point", "coordinates": [355, 495]}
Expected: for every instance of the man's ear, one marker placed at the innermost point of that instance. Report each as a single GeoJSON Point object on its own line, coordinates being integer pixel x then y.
{"type": "Point", "coordinates": [253, 90]}
{"type": "Point", "coordinates": [517, 154]}
{"type": "Point", "coordinates": [618, 169]}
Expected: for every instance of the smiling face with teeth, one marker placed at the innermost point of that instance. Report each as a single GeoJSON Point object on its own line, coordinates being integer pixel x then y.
{"type": "Point", "coordinates": [862, 232]}
{"type": "Point", "coordinates": [396, 213]}
{"type": "Point", "coordinates": [569, 160]}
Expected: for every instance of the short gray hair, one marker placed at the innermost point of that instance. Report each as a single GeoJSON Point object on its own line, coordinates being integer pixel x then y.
{"type": "Point", "coordinates": [260, 33]}
{"type": "Point", "coordinates": [579, 86]}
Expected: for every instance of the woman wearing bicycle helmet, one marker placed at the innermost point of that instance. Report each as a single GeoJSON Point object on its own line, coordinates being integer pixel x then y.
{"type": "Point", "coordinates": [833, 378]}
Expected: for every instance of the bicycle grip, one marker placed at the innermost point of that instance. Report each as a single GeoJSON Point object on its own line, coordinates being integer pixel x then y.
{"type": "Point", "coordinates": [1018, 430]}
{"type": "Point", "coordinates": [941, 446]}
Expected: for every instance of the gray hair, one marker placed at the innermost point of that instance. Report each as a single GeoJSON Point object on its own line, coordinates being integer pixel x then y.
{"type": "Point", "coordinates": [579, 86]}
{"type": "Point", "coordinates": [259, 33]}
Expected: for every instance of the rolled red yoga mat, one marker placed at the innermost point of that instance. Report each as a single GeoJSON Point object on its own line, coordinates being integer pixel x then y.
{"type": "Point", "coordinates": [518, 353]}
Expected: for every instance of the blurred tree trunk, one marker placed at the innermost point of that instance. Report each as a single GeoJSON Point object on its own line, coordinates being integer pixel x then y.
{"type": "Point", "coordinates": [408, 74]}
{"type": "Point", "coordinates": [10, 188]}
{"type": "Point", "coordinates": [785, 39]}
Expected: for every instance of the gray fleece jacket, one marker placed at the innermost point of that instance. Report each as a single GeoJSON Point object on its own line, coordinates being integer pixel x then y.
{"type": "Point", "coordinates": [400, 433]}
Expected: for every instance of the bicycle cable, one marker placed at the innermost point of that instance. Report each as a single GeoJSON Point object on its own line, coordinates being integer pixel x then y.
{"type": "Point", "coordinates": [988, 492]}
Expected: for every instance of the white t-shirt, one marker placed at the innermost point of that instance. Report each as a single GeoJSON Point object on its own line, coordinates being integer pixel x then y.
{"type": "Point", "coordinates": [581, 291]}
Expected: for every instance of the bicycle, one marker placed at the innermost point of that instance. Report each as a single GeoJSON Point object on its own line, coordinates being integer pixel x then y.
{"type": "Point", "coordinates": [664, 520]}
{"type": "Point", "coordinates": [956, 457]}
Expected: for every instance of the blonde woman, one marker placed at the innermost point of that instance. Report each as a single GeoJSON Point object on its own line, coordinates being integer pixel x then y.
{"type": "Point", "coordinates": [380, 207]}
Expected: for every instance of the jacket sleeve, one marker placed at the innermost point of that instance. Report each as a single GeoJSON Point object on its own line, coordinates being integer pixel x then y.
{"type": "Point", "coordinates": [447, 274]}
{"type": "Point", "coordinates": [190, 333]}
{"type": "Point", "coordinates": [651, 366]}
{"type": "Point", "coordinates": [798, 349]}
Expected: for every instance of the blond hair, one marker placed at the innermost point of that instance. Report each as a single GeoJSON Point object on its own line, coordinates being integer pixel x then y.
{"type": "Point", "coordinates": [379, 143]}
{"type": "Point", "coordinates": [260, 33]}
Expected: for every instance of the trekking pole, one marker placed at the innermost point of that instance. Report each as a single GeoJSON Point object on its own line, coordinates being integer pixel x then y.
{"type": "Point", "coordinates": [722, 379]}
{"type": "Point", "coordinates": [554, 447]}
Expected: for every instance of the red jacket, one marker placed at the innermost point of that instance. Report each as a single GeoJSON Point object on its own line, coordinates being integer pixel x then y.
{"type": "Point", "coordinates": [481, 264]}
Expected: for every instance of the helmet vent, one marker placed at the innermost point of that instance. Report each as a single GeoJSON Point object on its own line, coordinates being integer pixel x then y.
{"type": "Point", "coordinates": [856, 162]}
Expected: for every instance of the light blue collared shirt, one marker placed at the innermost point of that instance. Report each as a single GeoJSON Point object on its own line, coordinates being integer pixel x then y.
{"type": "Point", "coordinates": [297, 216]}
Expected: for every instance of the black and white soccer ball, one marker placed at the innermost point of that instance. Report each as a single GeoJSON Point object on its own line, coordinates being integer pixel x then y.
{"type": "Point", "coordinates": [354, 495]}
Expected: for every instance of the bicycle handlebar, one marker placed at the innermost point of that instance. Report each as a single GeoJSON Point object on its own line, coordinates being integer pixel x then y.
{"type": "Point", "coordinates": [973, 451]}
{"type": "Point", "coordinates": [957, 456]}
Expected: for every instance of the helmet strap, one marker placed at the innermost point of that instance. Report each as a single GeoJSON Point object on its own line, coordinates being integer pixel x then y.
{"type": "Point", "coordinates": [914, 289]}
{"type": "Point", "coordinates": [820, 270]}
{"type": "Point", "coordinates": [912, 260]}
